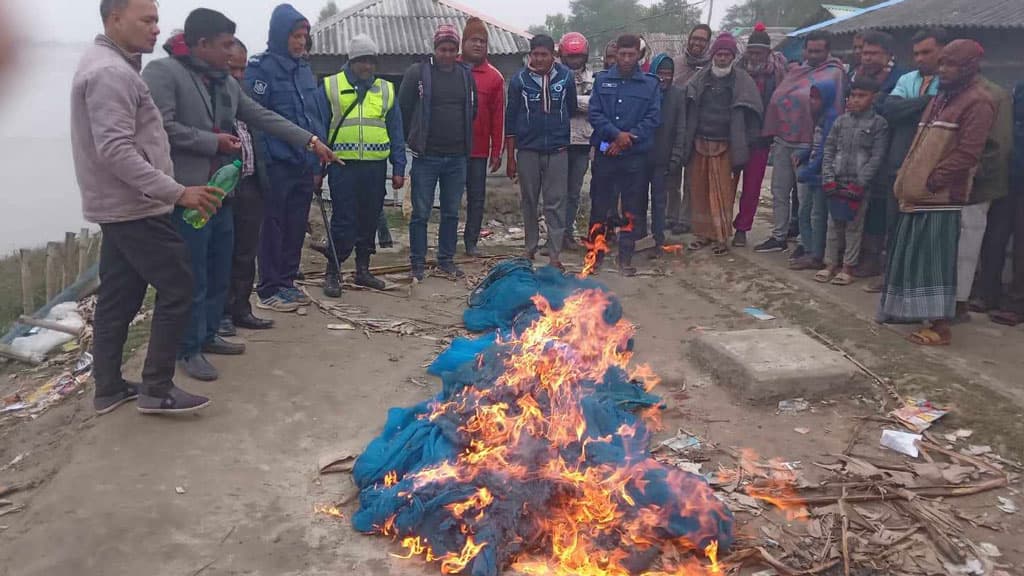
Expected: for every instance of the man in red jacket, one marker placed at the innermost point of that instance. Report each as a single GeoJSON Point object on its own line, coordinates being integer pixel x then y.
{"type": "Point", "coordinates": [488, 128]}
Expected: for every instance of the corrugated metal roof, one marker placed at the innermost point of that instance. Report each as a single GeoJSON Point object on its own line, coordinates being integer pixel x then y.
{"type": "Point", "coordinates": [406, 27]}
{"type": "Point", "coordinates": [928, 13]}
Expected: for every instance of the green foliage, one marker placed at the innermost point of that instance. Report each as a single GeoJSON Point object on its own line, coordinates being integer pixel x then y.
{"type": "Point", "coordinates": [329, 9]}
{"type": "Point", "coordinates": [555, 25]}
{"type": "Point", "coordinates": [793, 13]}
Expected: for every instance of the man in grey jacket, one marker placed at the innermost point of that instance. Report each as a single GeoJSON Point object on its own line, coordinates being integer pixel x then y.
{"type": "Point", "coordinates": [200, 103]}
{"type": "Point", "coordinates": [123, 165]}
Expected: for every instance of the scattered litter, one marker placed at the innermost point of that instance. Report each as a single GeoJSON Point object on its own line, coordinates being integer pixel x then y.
{"type": "Point", "coordinates": [794, 406]}
{"type": "Point", "coordinates": [180, 489]}
{"type": "Point", "coordinates": [304, 311]}
{"type": "Point", "coordinates": [918, 415]}
{"type": "Point", "coordinates": [972, 567]}
{"type": "Point", "coordinates": [32, 404]}
{"type": "Point", "coordinates": [41, 341]}
{"type": "Point", "coordinates": [765, 573]}
{"type": "Point", "coordinates": [958, 435]}
{"type": "Point", "coordinates": [340, 327]}
{"type": "Point", "coordinates": [901, 442]}
{"type": "Point", "coordinates": [803, 431]}
{"type": "Point", "coordinates": [682, 442]}
{"type": "Point", "coordinates": [15, 462]}
{"type": "Point", "coordinates": [337, 462]}
{"type": "Point", "coordinates": [758, 314]}
{"type": "Point", "coordinates": [1007, 505]}
{"type": "Point", "coordinates": [975, 450]}
{"type": "Point", "coordinates": [990, 550]}
{"type": "Point", "coordinates": [691, 467]}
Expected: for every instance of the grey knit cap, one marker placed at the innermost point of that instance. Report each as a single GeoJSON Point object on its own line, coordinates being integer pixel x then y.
{"type": "Point", "coordinates": [361, 46]}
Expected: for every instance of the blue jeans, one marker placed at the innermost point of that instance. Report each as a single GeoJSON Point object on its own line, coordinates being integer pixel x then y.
{"type": "Point", "coordinates": [210, 250]}
{"type": "Point", "coordinates": [427, 172]}
{"type": "Point", "coordinates": [813, 219]}
{"type": "Point", "coordinates": [614, 180]}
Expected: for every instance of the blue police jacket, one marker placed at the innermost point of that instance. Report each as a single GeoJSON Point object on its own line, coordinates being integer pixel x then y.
{"type": "Point", "coordinates": [620, 104]}
{"type": "Point", "coordinates": [286, 84]}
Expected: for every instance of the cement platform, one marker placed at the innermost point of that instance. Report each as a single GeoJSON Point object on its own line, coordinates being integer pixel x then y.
{"type": "Point", "coordinates": [777, 364]}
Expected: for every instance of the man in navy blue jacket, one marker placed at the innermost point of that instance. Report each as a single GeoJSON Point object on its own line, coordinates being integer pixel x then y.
{"type": "Point", "coordinates": [541, 101]}
{"type": "Point", "coordinates": [625, 111]}
{"type": "Point", "coordinates": [281, 80]}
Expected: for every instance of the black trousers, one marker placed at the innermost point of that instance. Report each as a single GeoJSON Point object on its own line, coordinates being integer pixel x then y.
{"type": "Point", "coordinates": [357, 199]}
{"type": "Point", "coordinates": [136, 255]}
{"type": "Point", "coordinates": [1005, 219]}
{"type": "Point", "coordinates": [476, 199]}
{"type": "Point", "coordinates": [248, 207]}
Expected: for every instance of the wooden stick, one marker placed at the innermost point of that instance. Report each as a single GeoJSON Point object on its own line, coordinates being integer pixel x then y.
{"type": "Point", "coordinates": [845, 527]}
{"type": "Point", "coordinates": [27, 297]}
{"type": "Point", "coordinates": [49, 325]}
{"type": "Point", "coordinates": [53, 269]}
{"type": "Point", "coordinates": [83, 251]}
{"type": "Point", "coordinates": [70, 259]}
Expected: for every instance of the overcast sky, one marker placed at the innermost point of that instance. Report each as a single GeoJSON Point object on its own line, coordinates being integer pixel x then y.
{"type": "Point", "coordinates": [78, 20]}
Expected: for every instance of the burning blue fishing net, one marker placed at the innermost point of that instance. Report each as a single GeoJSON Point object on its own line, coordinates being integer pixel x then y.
{"type": "Point", "coordinates": [420, 483]}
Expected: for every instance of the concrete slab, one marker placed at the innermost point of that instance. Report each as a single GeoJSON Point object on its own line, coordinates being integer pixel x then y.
{"type": "Point", "coordinates": [771, 365]}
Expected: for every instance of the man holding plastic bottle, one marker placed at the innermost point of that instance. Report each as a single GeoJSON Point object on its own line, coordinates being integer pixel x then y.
{"type": "Point", "coordinates": [123, 164]}
{"type": "Point", "coordinates": [200, 104]}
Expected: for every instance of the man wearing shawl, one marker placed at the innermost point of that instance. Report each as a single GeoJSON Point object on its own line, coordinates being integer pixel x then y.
{"type": "Point", "coordinates": [696, 58]}
{"type": "Point", "coordinates": [768, 69]}
{"type": "Point", "coordinates": [723, 117]}
{"type": "Point", "coordinates": [788, 120]}
{"type": "Point", "coordinates": [933, 185]}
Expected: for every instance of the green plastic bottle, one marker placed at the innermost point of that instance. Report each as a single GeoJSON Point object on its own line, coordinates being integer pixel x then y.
{"type": "Point", "coordinates": [223, 180]}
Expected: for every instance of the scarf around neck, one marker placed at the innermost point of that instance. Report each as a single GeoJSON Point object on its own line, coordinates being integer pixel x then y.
{"type": "Point", "coordinates": [545, 84]}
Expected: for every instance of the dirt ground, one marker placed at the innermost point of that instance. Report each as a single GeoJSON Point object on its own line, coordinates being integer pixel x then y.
{"type": "Point", "coordinates": [105, 497]}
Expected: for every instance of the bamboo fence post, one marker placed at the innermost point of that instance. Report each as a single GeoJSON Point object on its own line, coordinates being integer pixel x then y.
{"type": "Point", "coordinates": [27, 296]}
{"type": "Point", "coordinates": [70, 259]}
{"type": "Point", "coordinates": [53, 269]}
{"type": "Point", "coordinates": [83, 251]}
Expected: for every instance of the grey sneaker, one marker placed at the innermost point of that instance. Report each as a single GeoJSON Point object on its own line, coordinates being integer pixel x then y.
{"type": "Point", "coordinates": [174, 401]}
{"type": "Point", "coordinates": [450, 270]}
{"type": "Point", "coordinates": [198, 368]}
{"type": "Point", "coordinates": [297, 296]}
{"type": "Point", "coordinates": [277, 303]}
{"type": "Point", "coordinates": [222, 347]}
{"type": "Point", "coordinates": [107, 404]}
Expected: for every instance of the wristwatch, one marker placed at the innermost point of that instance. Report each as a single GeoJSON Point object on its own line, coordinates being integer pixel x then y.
{"type": "Point", "coordinates": [312, 143]}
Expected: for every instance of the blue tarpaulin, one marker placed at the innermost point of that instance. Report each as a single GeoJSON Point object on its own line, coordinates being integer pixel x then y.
{"type": "Point", "coordinates": [395, 499]}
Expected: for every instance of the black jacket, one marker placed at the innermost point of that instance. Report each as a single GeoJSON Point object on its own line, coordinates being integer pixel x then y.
{"type": "Point", "coordinates": [414, 99]}
{"type": "Point", "coordinates": [670, 137]}
{"type": "Point", "coordinates": [903, 116]}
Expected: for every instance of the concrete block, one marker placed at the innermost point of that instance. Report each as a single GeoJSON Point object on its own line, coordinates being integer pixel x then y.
{"type": "Point", "coordinates": [776, 364]}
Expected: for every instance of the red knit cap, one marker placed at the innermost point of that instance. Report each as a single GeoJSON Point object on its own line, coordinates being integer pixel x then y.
{"type": "Point", "coordinates": [726, 42]}
{"type": "Point", "coordinates": [446, 33]}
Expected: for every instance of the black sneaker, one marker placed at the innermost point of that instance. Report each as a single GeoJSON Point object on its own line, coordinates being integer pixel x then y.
{"type": "Point", "coordinates": [450, 270]}
{"type": "Point", "coordinates": [417, 273]}
{"type": "Point", "coordinates": [771, 245]}
{"type": "Point", "coordinates": [473, 251]}
{"type": "Point", "coordinates": [740, 239]}
{"type": "Point", "coordinates": [367, 280]}
{"type": "Point", "coordinates": [227, 328]}
{"type": "Point", "coordinates": [222, 347]}
{"type": "Point", "coordinates": [332, 286]}
{"type": "Point", "coordinates": [107, 404]}
{"type": "Point", "coordinates": [174, 401]}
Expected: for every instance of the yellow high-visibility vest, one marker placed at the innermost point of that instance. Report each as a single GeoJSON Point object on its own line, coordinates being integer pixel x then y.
{"type": "Point", "coordinates": [364, 133]}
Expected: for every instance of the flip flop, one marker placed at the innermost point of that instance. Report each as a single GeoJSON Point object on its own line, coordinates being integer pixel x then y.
{"type": "Point", "coordinates": [824, 276]}
{"type": "Point", "coordinates": [1006, 318]}
{"type": "Point", "coordinates": [842, 279]}
{"type": "Point", "coordinates": [720, 250]}
{"type": "Point", "coordinates": [928, 337]}
{"type": "Point", "coordinates": [698, 244]}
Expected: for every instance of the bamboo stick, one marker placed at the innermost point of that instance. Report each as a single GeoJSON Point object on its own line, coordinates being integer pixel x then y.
{"type": "Point", "coordinates": [70, 259]}
{"type": "Point", "coordinates": [83, 251]}
{"type": "Point", "coordinates": [53, 269]}
{"type": "Point", "coordinates": [49, 325]}
{"type": "Point", "coordinates": [27, 297]}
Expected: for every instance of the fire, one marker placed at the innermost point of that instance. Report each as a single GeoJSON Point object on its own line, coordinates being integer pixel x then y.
{"type": "Point", "coordinates": [777, 486]}
{"type": "Point", "coordinates": [328, 510]}
{"type": "Point", "coordinates": [672, 248]}
{"type": "Point", "coordinates": [531, 457]}
{"type": "Point", "coordinates": [596, 242]}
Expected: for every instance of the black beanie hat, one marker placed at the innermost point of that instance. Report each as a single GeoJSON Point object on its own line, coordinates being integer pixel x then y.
{"type": "Point", "coordinates": [759, 37]}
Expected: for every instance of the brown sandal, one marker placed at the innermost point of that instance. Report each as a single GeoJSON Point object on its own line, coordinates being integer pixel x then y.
{"type": "Point", "coordinates": [824, 276]}
{"type": "Point", "coordinates": [929, 337]}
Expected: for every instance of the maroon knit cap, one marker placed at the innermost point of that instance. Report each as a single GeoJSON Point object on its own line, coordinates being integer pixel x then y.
{"type": "Point", "coordinates": [966, 54]}
{"type": "Point", "coordinates": [727, 42]}
{"type": "Point", "coordinates": [446, 33]}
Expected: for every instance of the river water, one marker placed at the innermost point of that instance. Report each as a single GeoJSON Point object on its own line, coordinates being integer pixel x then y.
{"type": "Point", "coordinates": [40, 199]}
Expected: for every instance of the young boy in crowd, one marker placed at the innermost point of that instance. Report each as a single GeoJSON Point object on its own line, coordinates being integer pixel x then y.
{"type": "Point", "coordinates": [854, 151]}
{"type": "Point", "coordinates": [813, 211]}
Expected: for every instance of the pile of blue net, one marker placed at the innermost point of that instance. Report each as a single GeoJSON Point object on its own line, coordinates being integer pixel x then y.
{"type": "Point", "coordinates": [409, 491]}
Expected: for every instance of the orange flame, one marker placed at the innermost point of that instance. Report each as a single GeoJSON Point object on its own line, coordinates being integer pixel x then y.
{"type": "Point", "coordinates": [550, 365]}
{"type": "Point", "coordinates": [778, 488]}
{"type": "Point", "coordinates": [673, 248]}
{"type": "Point", "coordinates": [597, 246]}
{"type": "Point", "coordinates": [328, 510]}
{"type": "Point", "coordinates": [390, 479]}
